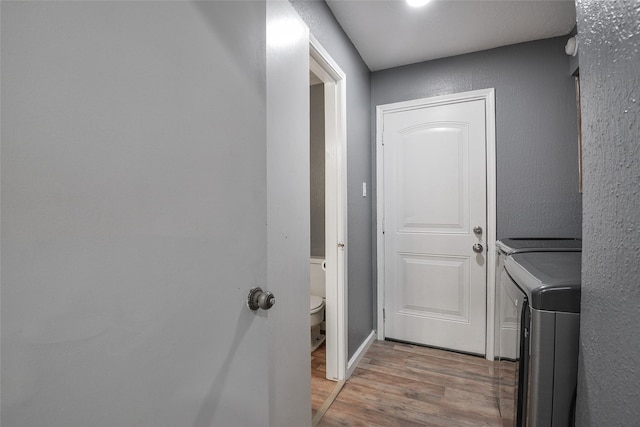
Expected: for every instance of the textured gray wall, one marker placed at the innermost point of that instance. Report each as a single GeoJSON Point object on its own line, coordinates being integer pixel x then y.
{"type": "Point", "coordinates": [609, 375]}
{"type": "Point", "coordinates": [328, 32]}
{"type": "Point", "coordinates": [317, 169]}
{"type": "Point", "coordinates": [536, 131]}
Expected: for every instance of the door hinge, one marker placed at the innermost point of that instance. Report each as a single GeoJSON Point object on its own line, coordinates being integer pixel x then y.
{"type": "Point", "coordinates": [384, 315]}
{"type": "Point", "coordinates": [382, 225]}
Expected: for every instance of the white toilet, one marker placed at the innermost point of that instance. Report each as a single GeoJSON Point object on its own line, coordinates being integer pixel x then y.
{"type": "Point", "coordinates": [317, 269]}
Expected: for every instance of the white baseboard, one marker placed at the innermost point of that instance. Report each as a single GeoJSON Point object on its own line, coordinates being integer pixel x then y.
{"type": "Point", "coordinates": [359, 354]}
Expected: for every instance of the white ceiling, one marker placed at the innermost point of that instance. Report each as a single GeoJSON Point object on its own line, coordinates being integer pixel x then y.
{"type": "Point", "coordinates": [390, 33]}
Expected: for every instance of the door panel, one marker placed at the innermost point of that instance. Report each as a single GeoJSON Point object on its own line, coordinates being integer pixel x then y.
{"type": "Point", "coordinates": [434, 154]}
{"type": "Point", "coordinates": [288, 236]}
{"type": "Point", "coordinates": [433, 286]}
{"type": "Point", "coordinates": [136, 216]}
{"type": "Point", "coordinates": [434, 194]}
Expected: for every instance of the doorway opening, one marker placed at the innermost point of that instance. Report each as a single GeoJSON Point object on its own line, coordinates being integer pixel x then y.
{"type": "Point", "coordinates": [333, 80]}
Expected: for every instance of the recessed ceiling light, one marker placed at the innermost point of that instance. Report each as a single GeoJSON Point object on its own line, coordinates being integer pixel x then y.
{"type": "Point", "coordinates": [417, 3]}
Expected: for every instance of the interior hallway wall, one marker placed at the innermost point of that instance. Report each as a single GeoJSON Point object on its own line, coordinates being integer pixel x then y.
{"type": "Point", "coordinates": [536, 127]}
{"type": "Point", "coordinates": [609, 374]}
{"type": "Point", "coordinates": [328, 32]}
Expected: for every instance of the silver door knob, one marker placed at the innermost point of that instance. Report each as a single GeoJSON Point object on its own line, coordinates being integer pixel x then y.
{"type": "Point", "coordinates": [260, 299]}
{"type": "Point", "coordinates": [478, 248]}
{"type": "Point", "coordinates": [477, 229]}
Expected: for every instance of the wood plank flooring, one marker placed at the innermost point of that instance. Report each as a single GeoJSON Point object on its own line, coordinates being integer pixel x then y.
{"type": "Point", "coordinates": [321, 387]}
{"type": "Point", "coordinates": [404, 385]}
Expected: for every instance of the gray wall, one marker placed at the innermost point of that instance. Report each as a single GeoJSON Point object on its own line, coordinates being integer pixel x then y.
{"type": "Point", "coordinates": [328, 32]}
{"type": "Point", "coordinates": [536, 131]}
{"type": "Point", "coordinates": [609, 374]}
{"type": "Point", "coordinates": [316, 143]}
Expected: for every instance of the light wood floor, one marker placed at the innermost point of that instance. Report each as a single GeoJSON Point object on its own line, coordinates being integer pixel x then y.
{"type": "Point", "coordinates": [321, 387]}
{"type": "Point", "coordinates": [405, 385]}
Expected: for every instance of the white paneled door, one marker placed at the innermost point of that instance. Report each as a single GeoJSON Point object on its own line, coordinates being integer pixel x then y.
{"type": "Point", "coordinates": [435, 217]}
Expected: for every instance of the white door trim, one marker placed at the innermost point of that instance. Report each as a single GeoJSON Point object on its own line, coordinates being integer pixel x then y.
{"type": "Point", "coordinates": [336, 248]}
{"type": "Point", "coordinates": [488, 95]}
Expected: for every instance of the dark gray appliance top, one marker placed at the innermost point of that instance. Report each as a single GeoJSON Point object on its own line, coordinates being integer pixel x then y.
{"type": "Point", "coordinates": [551, 280]}
{"type": "Point", "coordinates": [533, 244]}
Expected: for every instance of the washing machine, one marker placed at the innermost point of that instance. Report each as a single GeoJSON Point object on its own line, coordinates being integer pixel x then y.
{"type": "Point", "coordinates": [544, 289]}
{"type": "Point", "coordinates": [506, 320]}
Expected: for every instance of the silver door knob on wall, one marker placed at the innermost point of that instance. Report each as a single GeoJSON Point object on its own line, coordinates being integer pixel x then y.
{"type": "Point", "coordinates": [477, 229]}
{"type": "Point", "coordinates": [478, 248]}
{"type": "Point", "coordinates": [260, 299]}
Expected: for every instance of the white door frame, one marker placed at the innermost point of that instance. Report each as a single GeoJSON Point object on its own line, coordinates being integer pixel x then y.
{"type": "Point", "coordinates": [335, 101]}
{"type": "Point", "coordinates": [488, 95]}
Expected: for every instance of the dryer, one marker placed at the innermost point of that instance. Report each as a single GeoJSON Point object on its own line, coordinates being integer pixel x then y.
{"type": "Point", "coordinates": [544, 290]}
{"type": "Point", "coordinates": [506, 320]}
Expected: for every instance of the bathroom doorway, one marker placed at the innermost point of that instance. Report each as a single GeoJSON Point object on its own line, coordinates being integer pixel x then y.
{"type": "Point", "coordinates": [332, 81]}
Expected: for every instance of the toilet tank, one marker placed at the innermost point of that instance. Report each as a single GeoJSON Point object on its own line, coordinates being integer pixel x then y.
{"type": "Point", "coordinates": [317, 273]}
